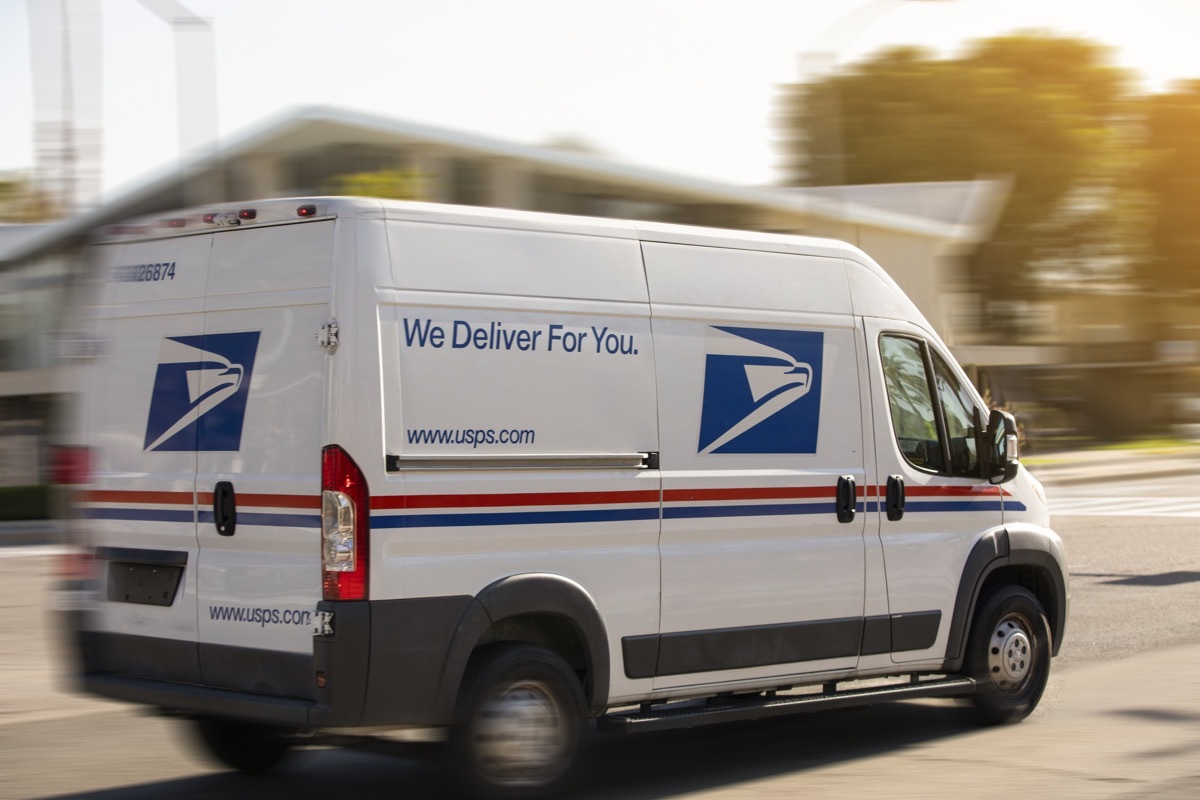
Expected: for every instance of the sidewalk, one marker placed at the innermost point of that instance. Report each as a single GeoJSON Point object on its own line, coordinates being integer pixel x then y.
{"type": "Point", "coordinates": [1092, 466]}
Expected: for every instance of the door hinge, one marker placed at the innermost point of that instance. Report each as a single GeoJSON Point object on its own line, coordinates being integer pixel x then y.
{"type": "Point", "coordinates": [327, 337]}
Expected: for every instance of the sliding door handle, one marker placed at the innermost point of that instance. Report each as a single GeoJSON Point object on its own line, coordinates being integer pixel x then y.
{"type": "Point", "coordinates": [846, 499]}
{"type": "Point", "coordinates": [225, 508]}
{"type": "Point", "coordinates": [895, 498]}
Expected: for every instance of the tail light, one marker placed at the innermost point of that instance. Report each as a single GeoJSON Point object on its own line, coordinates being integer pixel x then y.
{"type": "Point", "coordinates": [70, 470]}
{"type": "Point", "coordinates": [345, 526]}
{"type": "Point", "coordinates": [75, 564]}
{"type": "Point", "coordinates": [69, 466]}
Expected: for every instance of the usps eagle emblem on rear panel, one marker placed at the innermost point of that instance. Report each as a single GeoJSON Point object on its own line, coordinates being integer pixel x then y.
{"type": "Point", "coordinates": [200, 391]}
{"type": "Point", "coordinates": [762, 390]}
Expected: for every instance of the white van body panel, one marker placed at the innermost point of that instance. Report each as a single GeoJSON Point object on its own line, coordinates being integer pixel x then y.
{"type": "Point", "coordinates": [270, 564]}
{"type": "Point", "coordinates": [142, 492]}
{"type": "Point", "coordinates": [501, 374]}
{"type": "Point", "coordinates": [764, 503]}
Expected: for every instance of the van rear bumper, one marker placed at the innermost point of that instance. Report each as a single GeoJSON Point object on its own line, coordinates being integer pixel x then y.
{"type": "Point", "coordinates": [384, 664]}
{"type": "Point", "coordinates": [205, 701]}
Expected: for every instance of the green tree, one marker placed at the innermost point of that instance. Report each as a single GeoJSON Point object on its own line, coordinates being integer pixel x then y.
{"type": "Point", "coordinates": [393, 184]}
{"type": "Point", "coordinates": [1170, 175]}
{"type": "Point", "coordinates": [21, 200]}
{"type": "Point", "coordinates": [1035, 106]}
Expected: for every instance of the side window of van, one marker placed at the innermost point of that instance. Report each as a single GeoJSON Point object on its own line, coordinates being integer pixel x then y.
{"type": "Point", "coordinates": [961, 419]}
{"type": "Point", "coordinates": [911, 402]}
{"type": "Point", "coordinates": [933, 415]}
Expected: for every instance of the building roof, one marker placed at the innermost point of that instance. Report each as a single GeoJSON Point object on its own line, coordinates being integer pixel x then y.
{"type": "Point", "coordinates": [301, 130]}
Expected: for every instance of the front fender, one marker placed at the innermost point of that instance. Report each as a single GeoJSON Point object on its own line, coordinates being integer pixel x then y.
{"type": "Point", "coordinates": [1017, 545]}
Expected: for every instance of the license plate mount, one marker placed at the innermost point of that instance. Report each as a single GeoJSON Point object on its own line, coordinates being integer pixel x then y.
{"type": "Point", "coordinates": [144, 584]}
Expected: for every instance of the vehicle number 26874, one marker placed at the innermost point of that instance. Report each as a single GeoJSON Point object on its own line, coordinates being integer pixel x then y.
{"type": "Point", "coordinates": [140, 273]}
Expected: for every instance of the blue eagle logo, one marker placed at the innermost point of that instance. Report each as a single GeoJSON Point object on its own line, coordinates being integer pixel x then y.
{"type": "Point", "coordinates": [200, 391]}
{"type": "Point", "coordinates": [762, 391]}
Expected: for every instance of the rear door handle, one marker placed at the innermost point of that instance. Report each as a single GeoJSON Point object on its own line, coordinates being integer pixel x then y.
{"type": "Point", "coordinates": [895, 498]}
{"type": "Point", "coordinates": [225, 508]}
{"type": "Point", "coordinates": [846, 499]}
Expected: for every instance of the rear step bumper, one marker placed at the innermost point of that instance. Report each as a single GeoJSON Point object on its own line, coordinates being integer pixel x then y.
{"type": "Point", "coordinates": [694, 713]}
{"type": "Point", "coordinates": [198, 700]}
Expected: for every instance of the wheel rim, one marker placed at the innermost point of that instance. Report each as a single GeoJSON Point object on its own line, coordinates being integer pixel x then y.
{"type": "Point", "coordinates": [521, 736]}
{"type": "Point", "coordinates": [1011, 653]}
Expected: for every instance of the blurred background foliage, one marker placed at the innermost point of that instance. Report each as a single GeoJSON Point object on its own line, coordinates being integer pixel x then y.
{"type": "Point", "coordinates": [1105, 179]}
{"type": "Point", "coordinates": [393, 184]}
{"type": "Point", "coordinates": [22, 201]}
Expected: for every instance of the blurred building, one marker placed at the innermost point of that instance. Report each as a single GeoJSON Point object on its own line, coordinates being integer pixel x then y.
{"type": "Point", "coordinates": [920, 232]}
{"type": "Point", "coordinates": [31, 303]}
{"type": "Point", "coordinates": [1124, 363]}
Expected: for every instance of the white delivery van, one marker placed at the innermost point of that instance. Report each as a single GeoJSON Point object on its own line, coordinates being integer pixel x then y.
{"type": "Point", "coordinates": [362, 467]}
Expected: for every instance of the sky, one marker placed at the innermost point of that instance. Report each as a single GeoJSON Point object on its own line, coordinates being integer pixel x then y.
{"type": "Point", "coordinates": [677, 85]}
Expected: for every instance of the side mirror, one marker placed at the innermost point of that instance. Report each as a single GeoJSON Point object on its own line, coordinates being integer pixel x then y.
{"type": "Point", "coordinates": [1001, 453]}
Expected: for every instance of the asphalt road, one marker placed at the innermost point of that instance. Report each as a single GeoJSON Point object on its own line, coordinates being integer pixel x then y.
{"type": "Point", "coordinates": [1135, 572]}
{"type": "Point", "coordinates": [1120, 719]}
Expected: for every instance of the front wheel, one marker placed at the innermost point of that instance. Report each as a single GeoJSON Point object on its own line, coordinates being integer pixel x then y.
{"type": "Point", "coordinates": [520, 722]}
{"type": "Point", "coordinates": [1009, 655]}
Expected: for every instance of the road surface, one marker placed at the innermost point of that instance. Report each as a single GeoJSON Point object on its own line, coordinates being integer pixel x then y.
{"type": "Point", "coordinates": [1121, 718]}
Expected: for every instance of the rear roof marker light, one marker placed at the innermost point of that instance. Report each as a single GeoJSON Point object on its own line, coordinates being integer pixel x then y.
{"type": "Point", "coordinates": [306, 211]}
{"type": "Point", "coordinates": [247, 213]}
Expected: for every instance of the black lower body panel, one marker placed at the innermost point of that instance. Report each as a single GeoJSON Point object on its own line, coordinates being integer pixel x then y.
{"type": "Point", "coordinates": [383, 664]}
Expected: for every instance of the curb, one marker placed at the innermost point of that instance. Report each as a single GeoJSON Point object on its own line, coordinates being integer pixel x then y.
{"type": "Point", "coordinates": [1098, 477]}
{"type": "Point", "coordinates": [30, 532]}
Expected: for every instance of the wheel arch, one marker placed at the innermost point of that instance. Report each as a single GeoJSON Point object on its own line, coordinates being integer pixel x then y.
{"type": "Point", "coordinates": [550, 610]}
{"type": "Point", "coordinates": [1024, 558]}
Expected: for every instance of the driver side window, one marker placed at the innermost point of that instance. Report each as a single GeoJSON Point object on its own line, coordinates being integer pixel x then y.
{"type": "Point", "coordinates": [936, 423]}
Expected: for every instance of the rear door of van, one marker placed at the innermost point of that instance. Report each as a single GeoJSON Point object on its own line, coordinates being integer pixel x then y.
{"type": "Point", "coordinates": [142, 433]}
{"type": "Point", "coordinates": [259, 456]}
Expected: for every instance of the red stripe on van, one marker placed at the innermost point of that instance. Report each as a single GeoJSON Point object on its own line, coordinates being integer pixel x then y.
{"type": "Point", "coordinates": [268, 500]}
{"type": "Point", "coordinates": [204, 499]}
{"type": "Point", "coordinates": [160, 498]}
{"type": "Point", "coordinates": [950, 491]}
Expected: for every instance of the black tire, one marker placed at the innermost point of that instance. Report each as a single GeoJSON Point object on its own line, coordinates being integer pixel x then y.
{"type": "Point", "coordinates": [519, 723]}
{"type": "Point", "coordinates": [1009, 655]}
{"type": "Point", "coordinates": [252, 749]}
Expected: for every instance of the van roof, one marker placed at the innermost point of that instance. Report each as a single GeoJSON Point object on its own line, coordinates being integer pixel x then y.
{"type": "Point", "coordinates": [256, 213]}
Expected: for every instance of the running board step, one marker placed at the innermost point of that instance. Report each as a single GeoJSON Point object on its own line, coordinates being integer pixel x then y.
{"type": "Point", "coordinates": [694, 713]}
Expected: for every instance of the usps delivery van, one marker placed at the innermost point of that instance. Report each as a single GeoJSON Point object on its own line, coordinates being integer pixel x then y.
{"type": "Point", "coordinates": [363, 471]}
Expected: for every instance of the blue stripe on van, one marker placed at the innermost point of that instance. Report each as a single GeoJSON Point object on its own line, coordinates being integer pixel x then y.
{"type": "Point", "coordinates": [143, 514]}
{"type": "Point", "coordinates": [175, 515]}
{"type": "Point", "coordinates": [512, 518]}
{"type": "Point", "coordinates": [952, 505]}
{"type": "Point", "coordinates": [764, 510]}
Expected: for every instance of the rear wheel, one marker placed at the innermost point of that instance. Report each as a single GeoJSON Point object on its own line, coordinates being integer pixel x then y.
{"type": "Point", "coordinates": [246, 747]}
{"type": "Point", "coordinates": [1009, 654]}
{"type": "Point", "coordinates": [520, 723]}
